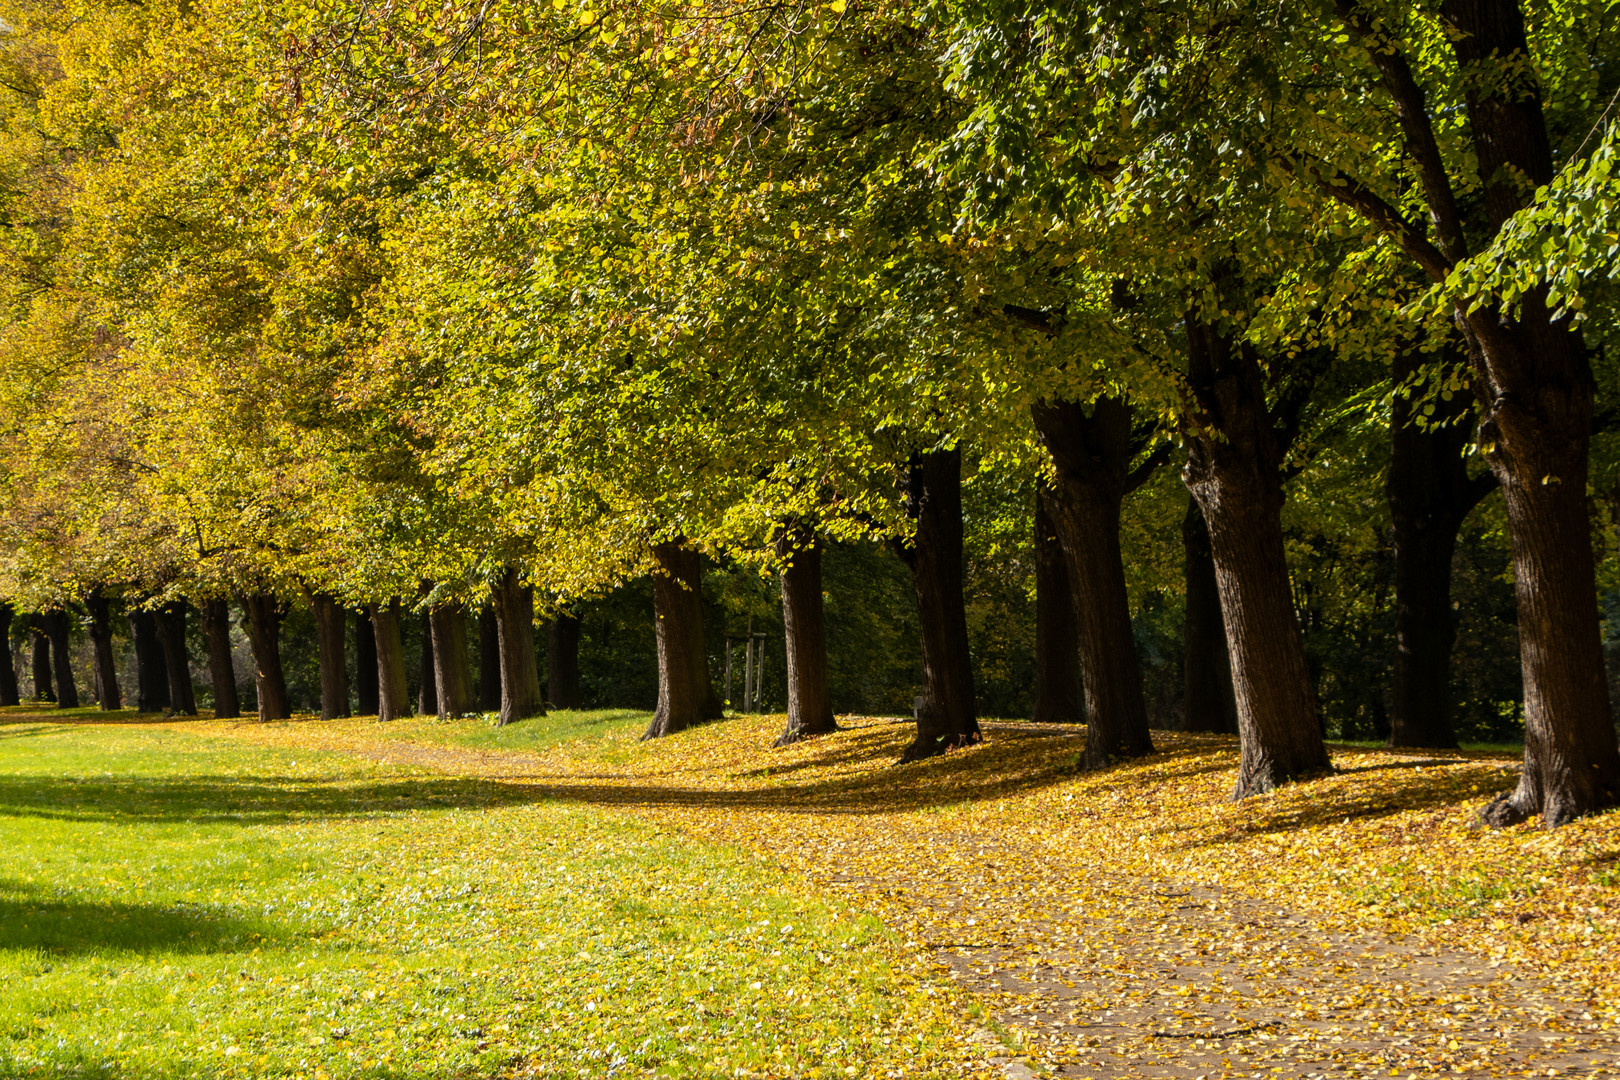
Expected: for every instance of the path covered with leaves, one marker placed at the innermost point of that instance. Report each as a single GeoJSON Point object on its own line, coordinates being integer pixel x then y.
{"type": "Point", "coordinates": [1131, 922]}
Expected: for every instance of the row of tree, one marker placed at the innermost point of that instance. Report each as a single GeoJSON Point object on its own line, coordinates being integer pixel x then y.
{"type": "Point", "coordinates": [499, 302]}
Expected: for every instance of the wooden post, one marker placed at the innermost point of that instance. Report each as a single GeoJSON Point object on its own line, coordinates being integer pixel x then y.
{"type": "Point", "coordinates": [728, 674]}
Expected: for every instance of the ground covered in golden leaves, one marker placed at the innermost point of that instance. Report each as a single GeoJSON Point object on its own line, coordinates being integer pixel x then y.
{"type": "Point", "coordinates": [1131, 922]}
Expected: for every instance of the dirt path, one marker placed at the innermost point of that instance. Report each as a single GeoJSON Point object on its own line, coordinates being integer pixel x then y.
{"type": "Point", "coordinates": [1108, 975]}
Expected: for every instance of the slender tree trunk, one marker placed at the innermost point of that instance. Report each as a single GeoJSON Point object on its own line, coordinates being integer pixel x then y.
{"type": "Point", "coordinates": [44, 686]}
{"type": "Point", "coordinates": [562, 662]}
{"type": "Point", "coordinates": [946, 709]}
{"type": "Point", "coordinates": [10, 692]}
{"type": "Point", "coordinates": [170, 622]}
{"type": "Point", "coordinates": [393, 695]}
{"type": "Point", "coordinates": [262, 622]}
{"type": "Point", "coordinates": [330, 624]}
{"type": "Point", "coordinates": [804, 617]}
{"type": "Point", "coordinates": [151, 674]}
{"type": "Point", "coordinates": [427, 693]}
{"type": "Point", "coordinates": [451, 670]}
{"type": "Point", "coordinates": [1234, 470]}
{"type": "Point", "coordinates": [56, 628]}
{"type": "Point", "coordinates": [489, 660]}
{"type": "Point", "coordinates": [1059, 691]}
{"type": "Point", "coordinates": [520, 674]}
{"type": "Point", "coordinates": [216, 622]}
{"type": "Point", "coordinates": [685, 695]}
{"type": "Point", "coordinates": [1092, 453]}
{"type": "Point", "coordinates": [1206, 665]}
{"type": "Point", "coordinates": [107, 692]}
{"type": "Point", "coordinates": [366, 690]}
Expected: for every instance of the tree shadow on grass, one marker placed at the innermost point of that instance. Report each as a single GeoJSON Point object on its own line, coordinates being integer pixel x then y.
{"type": "Point", "coordinates": [60, 924]}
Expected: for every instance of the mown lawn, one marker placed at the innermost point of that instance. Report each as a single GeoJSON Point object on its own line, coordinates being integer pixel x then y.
{"type": "Point", "coordinates": [175, 905]}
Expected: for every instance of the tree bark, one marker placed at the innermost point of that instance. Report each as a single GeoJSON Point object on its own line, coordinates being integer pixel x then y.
{"type": "Point", "coordinates": [108, 694]}
{"type": "Point", "coordinates": [489, 660]}
{"type": "Point", "coordinates": [10, 692]}
{"type": "Point", "coordinates": [151, 674]}
{"type": "Point", "coordinates": [562, 662]}
{"type": "Point", "coordinates": [520, 675]}
{"type": "Point", "coordinates": [1208, 700]}
{"type": "Point", "coordinates": [809, 704]}
{"type": "Point", "coordinates": [946, 709]}
{"type": "Point", "coordinates": [685, 695]}
{"type": "Point", "coordinates": [1092, 453]}
{"type": "Point", "coordinates": [393, 695]}
{"type": "Point", "coordinates": [1234, 470]}
{"type": "Point", "coordinates": [56, 628]}
{"type": "Point", "coordinates": [261, 620]}
{"type": "Point", "coordinates": [451, 670]}
{"type": "Point", "coordinates": [366, 689]}
{"type": "Point", "coordinates": [1059, 691]}
{"type": "Point", "coordinates": [44, 688]}
{"type": "Point", "coordinates": [330, 624]}
{"type": "Point", "coordinates": [216, 622]}
{"type": "Point", "coordinates": [170, 622]}
{"type": "Point", "coordinates": [427, 693]}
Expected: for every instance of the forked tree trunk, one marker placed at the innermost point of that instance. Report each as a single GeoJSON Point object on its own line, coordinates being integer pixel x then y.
{"type": "Point", "coordinates": [108, 694]}
{"type": "Point", "coordinates": [261, 620]}
{"type": "Point", "coordinates": [1059, 691]}
{"type": "Point", "coordinates": [366, 690]}
{"type": "Point", "coordinates": [685, 695]}
{"type": "Point", "coordinates": [216, 622]}
{"type": "Point", "coordinates": [393, 689]}
{"type": "Point", "coordinates": [56, 628]}
{"type": "Point", "coordinates": [946, 709]}
{"type": "Point", "coordinates": [520, 675]}
{"type": "Point", "coordinates": [489, 660]}
{"type": "Point", "coordinates": [1208, 701]}
{"type": "Point", "coordinates": [9, 691]}
{"type": "Point", "coordinates": [1092, 454]}
{"type": "Point", "coordinates": [427, 694]}
{"type": "Point", "coordinates": [330, 624]}
{"type": "Point", "coordinates": [804, 618]}
{"type": "Point", "coordinates": [44, 688]}
{"type": "Point", "coordinates": [1234, 470]}
{"type": "Point", "coordinates": [452, 674]}
{"type": "Point", "coordinates": [151, 674]}
{"type": "Point", "coordinates": [170, 622]}
{"type": "Point", "coordinates": [562, 662]}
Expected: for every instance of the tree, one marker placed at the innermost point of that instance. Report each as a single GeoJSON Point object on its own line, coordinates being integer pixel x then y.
{"type": "Point", "coordinates": [686, 697]}
{"type": "Point", "coordinates": [330, 623]}
{"type": "Point", "coordinates": [393, 699]}
{"type": "Point", "coordinates": [216, 622]}
{"type": "Point", "coordinates": [261, 620]}
{"type": "Point", "coordinates": [514, 622]}
{"type": "Point", "coordinates": [562, 661]}
{"type": "Point", "coordinates": [451, 671]}
{"type": "Point", "coordinates": [1059, 692]}
{"type": "Point", "coordinates": [809, 705]}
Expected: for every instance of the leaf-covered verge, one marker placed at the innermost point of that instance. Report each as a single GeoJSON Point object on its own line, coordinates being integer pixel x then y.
{"type": "Point", "coordinates": [180, 905]}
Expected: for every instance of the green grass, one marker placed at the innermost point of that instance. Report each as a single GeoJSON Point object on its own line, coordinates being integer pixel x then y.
{"type": "Point", "coordinates": [480, 732]}
{"type": "Point", "coordinates": [178, 906]}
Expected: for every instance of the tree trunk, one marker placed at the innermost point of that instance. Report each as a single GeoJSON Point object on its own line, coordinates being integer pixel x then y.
{"type": "Point", "coordinates": [261, 620]}
{"type": "Point", "coordinates": [216, 622]}
{"type": "Point", "coordinates": [809, 704]}
{"type": "Point", "coordinates": [170, 622]}
{"type": "Point", "coordinates": [56, 628]}
{"type": "Point", "coordinates": [685, 695]}
{"type": "Point", "coordinates": [366, 690]}
{"type": "Point", "coordinates": [1092, 454]}
{"type": "Point", "coordinates": [393, 694]}
{"type": "Point", "coordinates": [520, 675]}
{"type": "Point", "coordinates": [452, 674]}
{"type": "Point", "coordinates": [10, 692]}
{"type": "Point", "coordinates": [427, 693]}
{"type": "Point", "coordinates": [1234, 470]}
{"type": "Point", "coordinates": [946, 709]}
{"type": "Point", "coordinates": [1208, 701]}
{"type": "Point", "coordinates": [562, 662]}
{"type": "Point", "coordinates": [151, 675]}
{"type": "Point", "coordinates": [44, 689]}
{"type": "Point", "coordinates": [108, 694]}
{"type": "Point", "coordinates": [330, 623]}
{"type": "Point", "coordinates": [1059, 691]}
{"type": "Point", "coordinates": [489, 660]}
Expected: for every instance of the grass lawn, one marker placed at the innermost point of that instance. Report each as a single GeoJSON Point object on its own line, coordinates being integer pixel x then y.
{"type": "Point", "coordinates": [178, 905]}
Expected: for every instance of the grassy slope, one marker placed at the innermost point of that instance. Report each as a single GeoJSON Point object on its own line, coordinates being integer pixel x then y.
{"type": "Point", "coordinates": [177, 905]}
